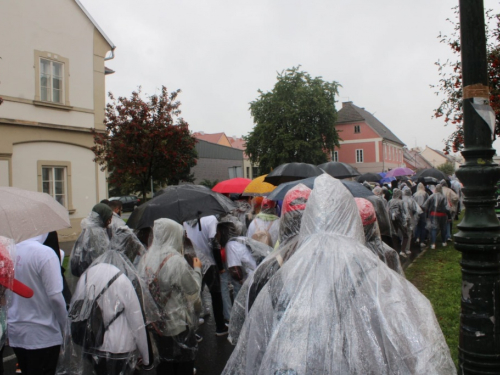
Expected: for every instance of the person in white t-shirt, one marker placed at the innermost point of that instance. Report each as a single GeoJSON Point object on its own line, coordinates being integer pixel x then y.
{"type": "Point", "coordinates": [202, 235]}
{"type": "Point", "coordinates": [36, 325]}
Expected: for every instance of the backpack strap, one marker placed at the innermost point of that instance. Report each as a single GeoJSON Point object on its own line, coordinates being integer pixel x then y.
{"type": "Point", "coordinates": [111, 281]}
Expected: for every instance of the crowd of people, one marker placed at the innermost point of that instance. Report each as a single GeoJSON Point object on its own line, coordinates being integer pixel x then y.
{"type": "Point", "coordinates": [312, 284]}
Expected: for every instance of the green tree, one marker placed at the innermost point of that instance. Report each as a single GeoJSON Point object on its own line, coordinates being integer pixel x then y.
{"type": "Point", "coordinates": [447, 168]}
{"type": "Point", "coordinates": [145, 140]}
{"type": "Point", "coordinates": [295, 122]}
{"type": "Point", "coordinates": [209, 183]}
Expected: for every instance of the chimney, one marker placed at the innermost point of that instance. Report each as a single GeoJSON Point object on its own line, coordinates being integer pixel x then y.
{"type": "Point", "coordinates": [344, 104]}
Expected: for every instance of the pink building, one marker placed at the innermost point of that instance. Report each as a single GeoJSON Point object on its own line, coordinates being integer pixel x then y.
{"type": "Point", "coordinates": [367, 144]}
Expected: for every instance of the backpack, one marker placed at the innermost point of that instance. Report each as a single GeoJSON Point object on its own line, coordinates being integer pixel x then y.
{"type": "Point", "coordinates": [263, 235]}
{"type": "Point", "coordinates": [89, 332]}
{"type": "Point", "coordinates": [257, 249]}
{"type": "Point", "coordinates": [154, 289]}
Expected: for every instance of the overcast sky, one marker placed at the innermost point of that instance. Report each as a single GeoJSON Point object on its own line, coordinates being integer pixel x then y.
{"type": "Point", "coordinates": [220, 52]}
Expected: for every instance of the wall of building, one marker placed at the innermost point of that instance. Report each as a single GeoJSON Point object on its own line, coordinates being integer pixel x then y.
{"type": "Point", "coordinates": [86, 181]}
{"type": "Point", "coordinates": [346, 131]}
{"type": "Point", "coordinates": [347, 152]}
{"type": "Point", "coordinates": [214, 169]}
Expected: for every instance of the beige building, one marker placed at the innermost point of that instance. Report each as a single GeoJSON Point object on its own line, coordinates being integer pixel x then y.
{"type": "Point", "coordinates": [52, 77]}
{"type": "Point", "coordinates": [437, 158]}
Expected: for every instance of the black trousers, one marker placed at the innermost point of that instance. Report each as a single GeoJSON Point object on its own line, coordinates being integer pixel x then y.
{"type": "Point", "coordinates": [175, 368]}
{"type": "Point", "coordinates": [212, 280]}
{"type": "Point", "coordinates": [38, 361]}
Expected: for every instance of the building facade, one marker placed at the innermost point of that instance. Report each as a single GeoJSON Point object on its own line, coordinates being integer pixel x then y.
{"type": "Point", "coordinates": [367, 144]}
{"type": "Point", "coordinates": [52, 81]}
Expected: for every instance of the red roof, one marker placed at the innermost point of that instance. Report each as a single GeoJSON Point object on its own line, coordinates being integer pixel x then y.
{"type": "Point", "coordinates": [238, 143]}
{"type": "Point", "coordinates": [212, 138]}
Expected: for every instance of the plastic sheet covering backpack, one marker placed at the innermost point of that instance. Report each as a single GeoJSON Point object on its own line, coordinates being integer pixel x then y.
{"type": "Point", "coordinates": [92, 242]}
{"type": "Point", "coordinates": [124, 240]}
{"type": "Point", "coordinates": [335, 308]}
{"type": "Point", "coordinates": [111, 290]}
{"type": "Point", "coordinates": [294, 205]}
{"type": "Point", "coordinates": [175, 287]}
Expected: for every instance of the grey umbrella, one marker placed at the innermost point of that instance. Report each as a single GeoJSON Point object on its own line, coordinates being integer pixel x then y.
{"type": "Point", "coordinates": [25, 214]}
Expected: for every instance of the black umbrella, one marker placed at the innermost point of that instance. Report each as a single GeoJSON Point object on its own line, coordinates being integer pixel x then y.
{"type": "Point", "coordinates": [431, 172]}
{"type": "Point", "coordinates": [339, 170]}
{"type": "Point", "coordinates": [180, 203]}
{"type": "Point", "coordinates": [370, 177]}
{"type": "Point", "coordinates": [292, 172]}
{"type": "Point", "coordinates": [355, 188]}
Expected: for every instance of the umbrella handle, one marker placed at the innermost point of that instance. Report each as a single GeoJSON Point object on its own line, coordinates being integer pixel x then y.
{"type": "Point", "coordinates": [199, 221]}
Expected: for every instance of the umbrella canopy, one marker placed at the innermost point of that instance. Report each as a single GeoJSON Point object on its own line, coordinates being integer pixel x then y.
{"type": "Point", "coordinates": [396, 172]}
{"type": "Point", "coordinates": [258, 187]}
{"type": "Point", "coordinates": [26, 214]}
{"type": "Point", "coordinates": [234, 185]}
{"type": "Point", "coordinates": [431, 172]}
{"type": "Point", "coordinates": [292, 171]}
{"type": "Point", "coordinates": [370, 177]}
{"type": "Point", "coordinates": [180, 203]}
{"type": "Point", "coordinates": [355, 188]}
{"type": "Point", "coordinates": [339, 170]}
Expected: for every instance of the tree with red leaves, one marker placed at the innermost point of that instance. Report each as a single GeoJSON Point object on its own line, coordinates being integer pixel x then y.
{"type": "Point", "coordinates": [145, 140]}
{"type": "Point", "coordinates": [450, 82]}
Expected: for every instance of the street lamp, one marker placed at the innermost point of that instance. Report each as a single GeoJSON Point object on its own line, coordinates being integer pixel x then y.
{"type": "Point", "coordinates": [478, 238]}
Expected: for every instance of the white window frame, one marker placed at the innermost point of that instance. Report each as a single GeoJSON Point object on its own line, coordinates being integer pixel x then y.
{"type": "Point", "coordinates": [66, 165]}
{"type": "Point", "coordinates": [359, 156]}
{"type": "Point", "coordinates": [335, 156]}
{"type": "Point", "coordinates": [51, 181]}
{"type": "Point", "coordinates": [50, 97]}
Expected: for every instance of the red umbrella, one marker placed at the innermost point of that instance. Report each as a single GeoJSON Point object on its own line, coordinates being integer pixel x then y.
{"type": "Point", "coordinates": [232, 186]}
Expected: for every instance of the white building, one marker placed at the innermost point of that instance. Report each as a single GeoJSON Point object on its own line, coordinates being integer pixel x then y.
{"type": "Point", "coordinates": [52, 83]}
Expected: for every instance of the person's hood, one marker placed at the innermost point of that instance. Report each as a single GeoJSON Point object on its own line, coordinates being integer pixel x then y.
{"type": "Point", "coordinates": [397, 194]}
{"type": "Point", "coordinates": [443, 183]}
{"type": "Point", "coordinates": [167, 232]}
{"type": "Point", "coordinates": [378, 191]}
{"type": "Point", "coordinates": [104, 212]}
{"type": "Point", "coordinates": [39, 239]}
{"type": "Point", "coordinates": [331, 209]}
{"type": "Point", "coordinates": [407, 192]}
{"type": "Point", "coordinates": [124, 240]}
{"type": "Point", "coordinates": [420, 187]}
{"type": "Point", "coordinates": [439, 189]}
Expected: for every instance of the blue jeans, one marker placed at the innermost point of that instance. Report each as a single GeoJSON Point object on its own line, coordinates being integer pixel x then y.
{"type": "Point", "coordinates": [420, 231]}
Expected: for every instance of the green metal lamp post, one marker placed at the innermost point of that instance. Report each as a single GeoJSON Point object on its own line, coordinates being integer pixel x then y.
{"type": "Point", "coordinates": [479, 232]}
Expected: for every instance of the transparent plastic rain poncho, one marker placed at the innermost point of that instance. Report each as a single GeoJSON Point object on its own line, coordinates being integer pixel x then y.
{"type": "Point", "coordinates": [420, 195]}
{"type": "Point", "coordinates": [335, 308]}
{"type": "Point", "coordinates": [412, 207]}
{"type": "Point", "coordinates": [266, 220]}
{"type": "Point", "coordinates": [176, 291]}
{"type": "Point", "coordinates": [372, 236]}
{"type": "Point", "coordinates": [125, 241]}
{"type": "Point", "coordinates": [243, 212]}
{"type": "Point", "coordinates": [294, 204]}
{"type": "Point", "coordinates": [383, 220]}
{"type": "Point", "coordinates": [92, 242]}
{"type": "Point", "coordinates": [437, 202]}
{"type": "Point", "coordinates": [7, 254]}
{"type": "Point", "coordinates": [127, 308]}
{"type": "Point", "coordinates": [398, 211]}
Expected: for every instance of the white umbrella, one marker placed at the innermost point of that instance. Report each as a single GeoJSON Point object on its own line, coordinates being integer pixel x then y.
{"type": "Point", "coordinates": [25, 214]}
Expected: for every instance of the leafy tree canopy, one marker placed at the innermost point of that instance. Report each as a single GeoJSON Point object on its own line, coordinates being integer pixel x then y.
{"type": "Point", "coordinates": [144, 140]}
{"type": "Point", "coordinates": [447, 168]}
{"type": "Point", "coordinates": [450, 82]}
{"type": "Point", "coordinates": [295, 122]}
